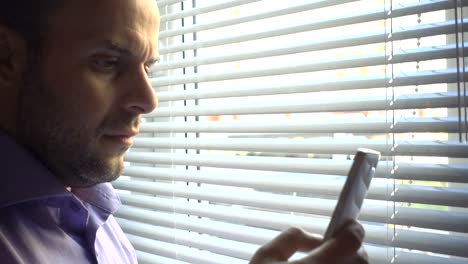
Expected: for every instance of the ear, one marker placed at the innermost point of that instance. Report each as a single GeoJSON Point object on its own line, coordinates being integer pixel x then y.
{"type": "Point", "coordinates": [13, 57]}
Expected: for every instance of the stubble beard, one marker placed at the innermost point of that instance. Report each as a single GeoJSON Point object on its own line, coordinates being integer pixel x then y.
{"type": "Point", "coordinates": [66, 146]}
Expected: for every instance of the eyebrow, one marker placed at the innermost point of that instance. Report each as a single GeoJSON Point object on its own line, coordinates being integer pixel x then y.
{"type": "Point", "coordinates": [119, 49]}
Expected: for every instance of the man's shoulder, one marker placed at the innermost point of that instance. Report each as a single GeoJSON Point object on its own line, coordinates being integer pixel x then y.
{"type": "Point", "coordinates": [33, 232]}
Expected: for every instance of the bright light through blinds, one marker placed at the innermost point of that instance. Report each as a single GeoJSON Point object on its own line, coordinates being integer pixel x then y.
{"type": "Point", "coordinates": [262, 106]}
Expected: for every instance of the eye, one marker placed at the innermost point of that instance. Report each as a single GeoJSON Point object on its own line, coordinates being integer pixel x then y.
{"type": "Point", "coordinates": [105, 63]}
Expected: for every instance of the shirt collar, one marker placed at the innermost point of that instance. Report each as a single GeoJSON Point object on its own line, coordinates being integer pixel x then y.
{"type": "Point", "coordinates": [101, 195]}
{"type": "Point", "coordinates": [24, 178]}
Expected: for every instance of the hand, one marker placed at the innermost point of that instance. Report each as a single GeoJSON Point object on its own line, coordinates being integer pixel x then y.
{"type": "Point", "coordinates": [342, 249]}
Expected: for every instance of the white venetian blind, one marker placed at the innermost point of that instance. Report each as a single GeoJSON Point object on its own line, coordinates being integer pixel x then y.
{"type": "Point", "coordinates": [262, 106]}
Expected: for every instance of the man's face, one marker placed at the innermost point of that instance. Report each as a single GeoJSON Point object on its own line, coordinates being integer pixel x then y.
{"type": "Point", "coordinates": [82, 100]}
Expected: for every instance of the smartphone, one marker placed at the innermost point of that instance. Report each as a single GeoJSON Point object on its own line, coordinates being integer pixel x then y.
{"type": "Point", "coordinates": [354, 190]}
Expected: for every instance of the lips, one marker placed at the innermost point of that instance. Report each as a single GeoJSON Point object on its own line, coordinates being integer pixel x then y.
{"type": "Point", "coordinates": [121, 137]}
{"type": "Point", "coordinates": [130, 133]}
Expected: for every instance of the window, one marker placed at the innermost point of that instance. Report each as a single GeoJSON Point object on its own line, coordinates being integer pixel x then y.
{"type": "Point", "coordinates": [262, 105]}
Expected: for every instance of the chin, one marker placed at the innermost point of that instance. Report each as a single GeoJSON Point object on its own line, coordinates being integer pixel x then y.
{"type": "Point", "coordinates": [95, 171]}
{"type": "Point", "coordinates": [114, 168]}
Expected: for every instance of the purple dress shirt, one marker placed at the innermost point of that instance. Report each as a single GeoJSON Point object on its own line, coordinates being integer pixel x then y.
{"type": "Point", "coordinates": [42, 222]}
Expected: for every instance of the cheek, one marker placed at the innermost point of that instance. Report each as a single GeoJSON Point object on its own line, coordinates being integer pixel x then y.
{"type": "Point", "coordinates": [93, 95]}
{"type": "Point", "coordinates": [73, 82]}
{"type": "Point", "coordinates": [89, 98]}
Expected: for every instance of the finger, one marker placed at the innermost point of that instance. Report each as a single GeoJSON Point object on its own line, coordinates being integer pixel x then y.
{"type": "Point", "coordinates": [349, 238]}
{"type": "Point", "coordinates": [342, 247]}
{"type": "Point", "coordinates": [286, 244]}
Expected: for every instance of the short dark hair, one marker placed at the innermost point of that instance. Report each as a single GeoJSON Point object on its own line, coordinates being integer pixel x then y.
{"type": "Point", "coordinates": [28, 18]}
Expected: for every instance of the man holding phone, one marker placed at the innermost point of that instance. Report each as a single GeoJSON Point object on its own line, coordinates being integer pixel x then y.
{"type": "Point", "coordinates": [73, 87]}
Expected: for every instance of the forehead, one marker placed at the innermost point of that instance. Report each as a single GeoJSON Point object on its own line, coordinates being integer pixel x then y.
{"type": "Point", "coordinates": [133, 24]}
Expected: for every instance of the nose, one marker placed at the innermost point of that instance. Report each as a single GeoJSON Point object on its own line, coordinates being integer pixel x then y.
{"type": "Point", "coordinates": [140, 97]}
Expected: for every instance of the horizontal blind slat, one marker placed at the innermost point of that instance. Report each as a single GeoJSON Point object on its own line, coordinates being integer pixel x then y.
{"type": "Point", "coordinates": [216, 221]}
{"type": "Point", "coordinates": [147, 258]}
{"type": "Point", "coordinates": [164, 3]}
{"type": "Point", "coordinates": [300, 165]}
{"type": "Point", "coordinates": [363, 16]}
{"type": "Point", "coordinates": [440, 28]}
{"type": "Point", "coordinates": [349, 104]}
{"type": "Point", "coordinates": [258, 16]}
{"type": "Point", "coordinates": [401, 56]}
{"type": "Point", "coordinates": [181, 237]}
{"type": "Point", "coordinates": [279, 182]}
{"type": "Point", "coordinates": [403, 193]}
{"type": "Point", "coordinates": [376, 81]}
{"type": "Point", "coordinates": [178, 252]}
{"type": "Point", "coordinates": [233, 231]}
{"type": "Point", "coordinates": [423, 218]}
{"type": "Point", "coordinates": [357, 125]}
{"type": "Point", "coordinates": [316, 146]}
{"type": "Point", "coordinates": [205, 9]}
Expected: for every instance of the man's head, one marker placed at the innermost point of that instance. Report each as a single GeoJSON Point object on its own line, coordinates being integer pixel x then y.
{"type": "Point", "coordinates": [74, 85]}
{"type": "Point", "coordinates": [27, 18]}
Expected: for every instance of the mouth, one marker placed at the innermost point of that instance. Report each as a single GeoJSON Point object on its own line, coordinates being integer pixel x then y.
{"type": "Point", "coordinates": [124, 138]}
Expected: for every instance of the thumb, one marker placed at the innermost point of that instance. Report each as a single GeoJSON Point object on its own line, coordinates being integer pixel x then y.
{"type": "Point", "coordinates": [285, 245]}
{"type": "Point", "coordinates": [343, 245]}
